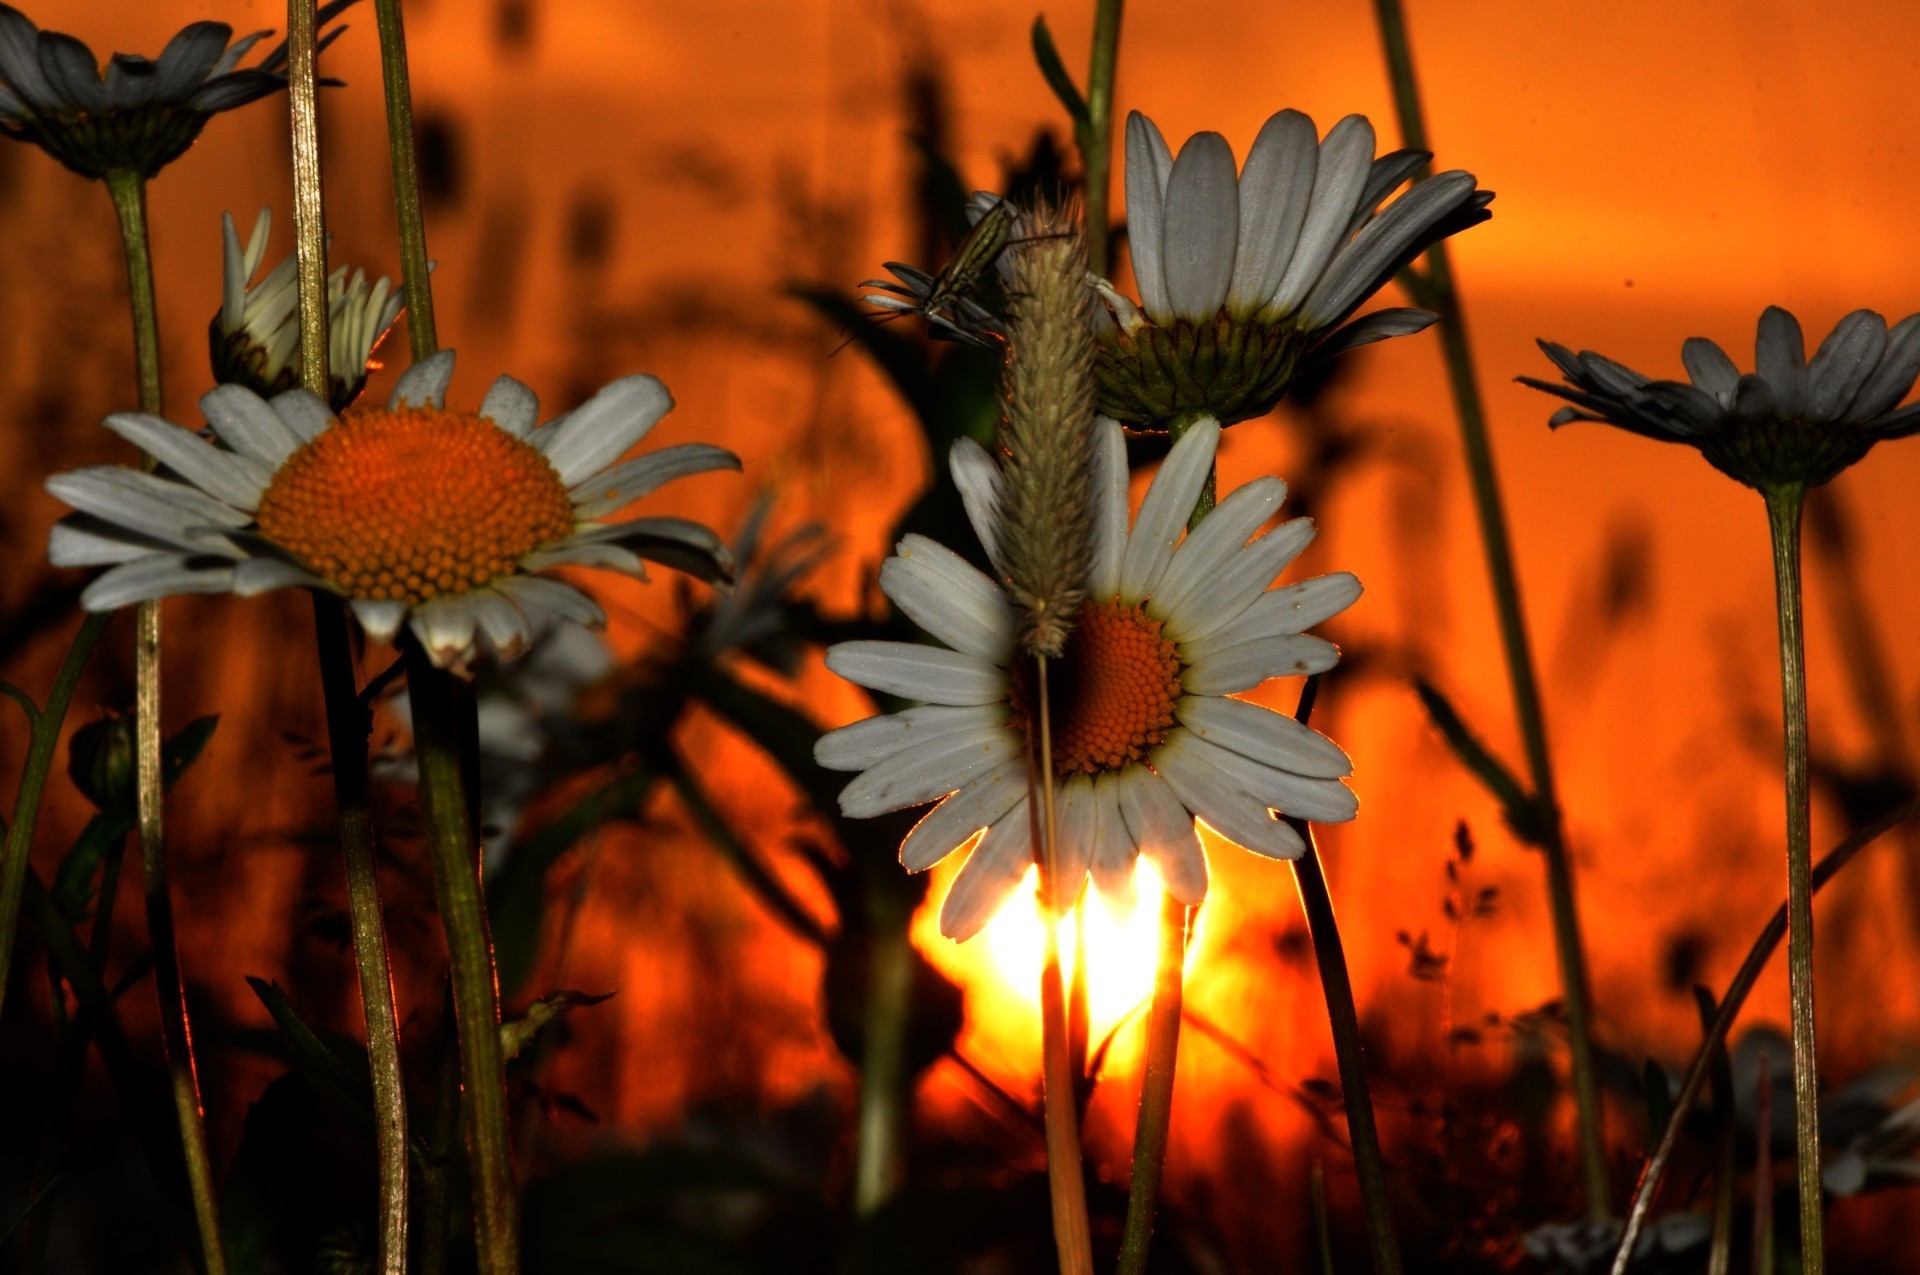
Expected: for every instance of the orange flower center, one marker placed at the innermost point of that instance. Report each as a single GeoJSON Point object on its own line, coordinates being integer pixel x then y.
{"type": "Point", "coordinates": [1111, 694]}
{"type": "Point", "coordinates": [415, 503]}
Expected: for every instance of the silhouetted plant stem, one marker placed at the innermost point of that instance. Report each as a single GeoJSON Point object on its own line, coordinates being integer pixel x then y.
{"type": "Point", "coordinates": [437, 729]}
{"type": "Point", "coordinates": [1783, 520]}
{"type": "Point", "coordinates": [129, 192]}
{"type": "Point", "coordinates": [1096, 147]}
{"type": "Point", "coordinates": [1066, 1176]}
{"type": "Point", "coordinates": [1763, 1169]}
{"type": "Point", "coordinates": [1743, 980]}
{"type": "Point", "coordinates": [1349, 1052]}
{"type": "Point", "coordinates": [422, 336]}
{"type": "Point", "coordinates": [443, 1142]}
{"type": "Point", "coordinates": [1437, 292]}
{"type": "Point", "coordinates": [44, 738]}
{"type": "Point", "coordinates": [347, 724]}
{"type": "Point", "coordinates": [880, 1166]}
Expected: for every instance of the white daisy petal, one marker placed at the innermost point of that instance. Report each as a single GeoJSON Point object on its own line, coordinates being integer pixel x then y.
{"type": "Point", "coordinates": [445, 626]}
{"type": "Point", "coordinates": [538, 593]}
{"type": "Point", "coordinates": [614, 489]}
{"type": "Point", "coordinates": [1219, 598]}
{"type": "Point", "coordinates": [1243, 667]}
{"type": "Point", "coordinates": [226, 476]}
{"type": "Point", "coordinates": [576, 552]}
{"type": "Point", "coordinates": [424, 384]}
{"type": "Point", "coordinates": [1214, 797]}
{"type": "Point", "coordinates": [943, 594]}
{"type": "Point", "coordinates": [505, 625]}
{"type": "Point", "coordinates": [512, 406]}
{"type": "Point", "coordinates": [1281, 612]}
{"type": "Point", "coordinates": [873, 740]}
{"type": "Point", "coordinates": [1843, 363]}
{"type": "Point", "coordinates": [1073, 827]}
{"type": "Point", "coordinates": [1271, 738]}
{"type": "Point", "coordinates": [1378, 326]}
{"type": "Point", "coordinates": [303, 412]}
{"type": "Point", "coordinates": [151, 505]}
{"type": "Point", "coordinates": [1114, 848]}
{"type": "Point", "coordinates": [380, 617]}
{"type": "Point", "coordinates": [86, 541]}
{"type": "Point", "coordinates": [1202, 228]}
{"type": "Point", "coordinates": [1163, 829]}
{"type": "Point", "coordinates": [1301, 796]}
{"type": "Point", "coordinates": [1149, 164]}
{"type": "Point", "coordinates": [950, 824]}
{"type": "Point", "coordinates": [1109, 483]}
{"type": "Point", "coordinates": [601, 430]}
{"type": "Point", "coordinates": [1275, 188]}
{"type": "Point", "coordinates": [255, 576]}
{"type": "Point", "coordinates": [249, 425]}
{"type": "Point", "coordinates": [978, 479]}
{"type": "Point", "coordinates": [990, 875]}
{"type": "Point", "coordinates": [1350, 276]}
{"type": "Point", "coordinates": [160, 575]}
{"type": "Point", "coordinates": [1780, 359]}
{"type": "Point", "coordinates": [929, 770]}
{"type": "Point", "coordinates": [924, 673]}
{"type": "Point", "coordinates": [1340, 177]}
{"type": "Point", "coordinates": [1164, 512]}
{"type": "Point", "coordinates": [1215, 541]}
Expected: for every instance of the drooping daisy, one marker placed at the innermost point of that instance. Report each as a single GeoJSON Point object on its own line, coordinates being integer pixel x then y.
{"type": "Point", "coordinates": [1791, 421]}
{"type": "Point", "coordinates": [1241, 277]}
{"type": "Point", "coordinates": [255, 339]}
{"type": "Point", "coordinates": [1146, 734]}
{"type": "Point", "coordinates": [142, 113]}
{"type": "Point", "coordinates": [414, 513]}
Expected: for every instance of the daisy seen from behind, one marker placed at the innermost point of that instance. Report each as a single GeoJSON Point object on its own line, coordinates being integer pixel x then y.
{"type": "Point", "coordinates": [416, 514]}
{"type": "Point", "coordinates": [1146, 734]}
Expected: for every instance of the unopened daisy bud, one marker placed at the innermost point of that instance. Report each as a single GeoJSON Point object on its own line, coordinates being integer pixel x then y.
{"type": "Point", "coordinates": [255, 339]}
{"type": "Point", "coordinates": [1047, 502]}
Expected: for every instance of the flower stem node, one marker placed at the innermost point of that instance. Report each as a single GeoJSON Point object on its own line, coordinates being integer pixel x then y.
{"type": "Point", "coordinates": [1792, 423]}
{"type": "Point", "coordinates": [142, 113]}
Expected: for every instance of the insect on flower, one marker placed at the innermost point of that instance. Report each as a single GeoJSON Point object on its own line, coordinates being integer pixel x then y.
{"type": "Point", "coordinates": [945, 299]}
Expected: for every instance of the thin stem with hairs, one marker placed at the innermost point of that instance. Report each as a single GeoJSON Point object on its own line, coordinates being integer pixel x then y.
{"type": "Point", "coordinates": [1783, 521]}
{"type": "Point", "coordinates": [1435, 289]}
{"type": "Point", "coordinates": [347, 724]}
{"type": "Point", "coordinates": [129, 192]}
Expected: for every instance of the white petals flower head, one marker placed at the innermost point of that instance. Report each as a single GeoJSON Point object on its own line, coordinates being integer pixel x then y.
{"type": "Point", "coordinates": [414, 513]}
{"type": "Point", "coordinates": [1146, 732]}
{"type": "Point", "coordinates": [141, 113]}
{"type": "Point", "coordinates": [1790, 422]}
{"type": "Point", "coordinates": [1243, 277]}
{"type": "Point", "coordinates": [255, 338]}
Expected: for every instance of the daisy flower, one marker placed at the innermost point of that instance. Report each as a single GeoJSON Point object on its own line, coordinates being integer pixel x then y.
{"type": "Point", "coordinates": [443, 520]}
{"type": "Point", "coordinates": [142, 113]}
{"type": "Point", "coordinates": [255, 339]}
{"type": "Point", "coordinates": [1241, 277]}
{"type": "Point", "coordinates": [1146, 732]}
{"type": "Point", "coordinates": [1791, 421]}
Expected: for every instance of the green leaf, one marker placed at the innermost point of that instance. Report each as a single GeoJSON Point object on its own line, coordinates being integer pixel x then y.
{"type": "Point", "coordinates": [180, 752]}
{"type": "Point", "coordinates": [1517, 804]}
{"type": "Point", "coordinates": [27, 706]}
{"type": "Point", "coordinates": [73, 880]}
{"type": "Point", "coordinates": [517, 1033]}
{"type": "Point", "coordinates": [326, 1071]}
{"type": "Point", "coordinates": [1055, 71]}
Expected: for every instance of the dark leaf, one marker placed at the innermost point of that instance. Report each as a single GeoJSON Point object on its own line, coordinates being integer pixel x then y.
{"type": "Point", "coordinates": [1055, 72]}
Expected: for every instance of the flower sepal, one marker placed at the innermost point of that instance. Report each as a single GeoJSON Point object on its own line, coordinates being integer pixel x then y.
{"type": "Point", "coordinates": [1152, 377]}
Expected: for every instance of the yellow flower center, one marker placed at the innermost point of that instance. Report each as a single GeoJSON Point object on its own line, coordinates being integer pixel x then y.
{"type": "Point", "coordinates": [415, 503]}
{"type": "Point", "coordinates": [1111, 694]}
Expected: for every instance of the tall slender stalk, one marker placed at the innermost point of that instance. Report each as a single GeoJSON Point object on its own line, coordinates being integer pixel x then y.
{"type": "Point", "coordinates": [881, 1137]}
{"type": "Point", "coordinates": [129, 192]}
{"type": "Point", "coordinates": [347, 723]}
{"type": "Point", "coordinates": [1783, 521]}
{"type": "Point", "coordinates": [1348, 1049]}
{"type": "Point", "coordinates": [476, 1000]}
{"type": "Point", "coordinates": [44, 737]}
{"type": "Point", "coordinates": [1096, 146]}
{"type": "Point", "coordinates": [1437, 292]}
{"type": "Point", "coordinates": [1066, 1176]}
{"type": "Point", "coordinates": [422, 335]}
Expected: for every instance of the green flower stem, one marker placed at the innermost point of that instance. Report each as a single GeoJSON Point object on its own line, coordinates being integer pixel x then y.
{"type": "Point", "coordinates": [347, 724]}
{"type": "Point", "coordinates": [437, 730]}
{"type": "Point", "coordinates": [129, 192]}
{"type": "Point", "coordinates": [1743, 980]}
{"type": "Point", "coordinates": [1349, 1052]}
{"type": "Point", "coordinates": [415, 286]}
{"type": "Point", "coordinates": [436, 1172]}
{"type": "Point", "coordinates": [1096, 146]}
{"type": "Point", "coordinates": [879, 1166]}
{"type": "Point", "coordinates": [1783, 520]}
{"type": "Point", "coordinates": [1153, 1126]}
{"type": "Point", "coordinates": [44, 739]}
{"type": "Point", "coordinates": [1066, 1175]}
{"type": "Point", "coordinates": [1437, 292]}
